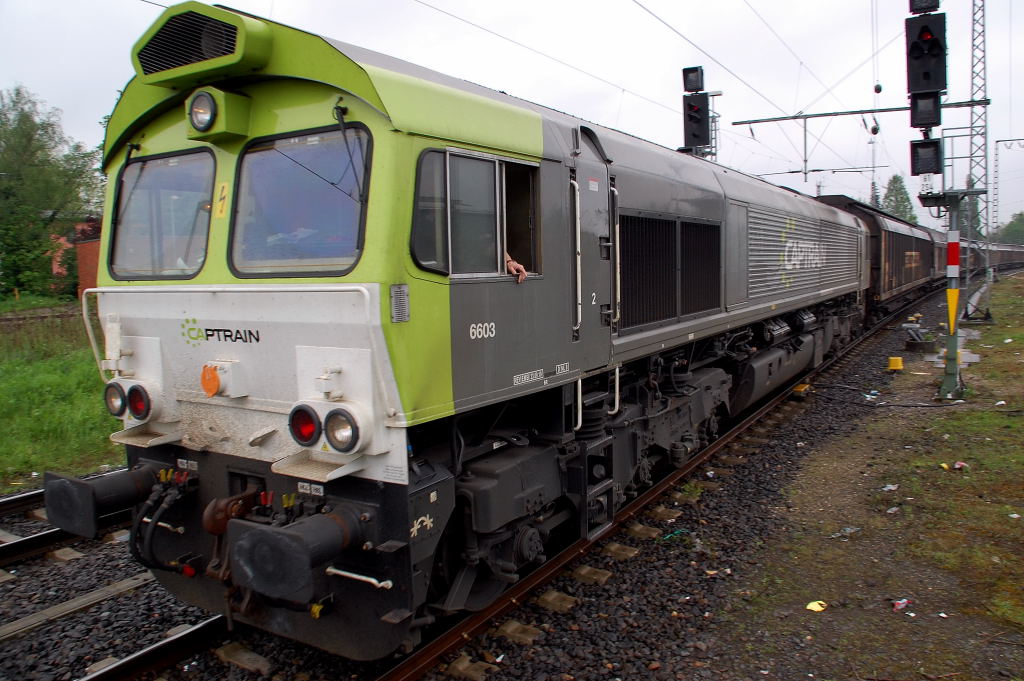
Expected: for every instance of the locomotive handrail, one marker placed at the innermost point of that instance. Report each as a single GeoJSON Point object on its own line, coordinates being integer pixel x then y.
{"type": "Point", "coordinates": [89, 332]}
{"type": "Point", "coordinates": [579, 406]}
{"type": "Point", "coordinates": [579, 256]}
{"type": "Point", "coordinates": [615, 408]}
{"type": "Point", "coordinates": [618, 265]}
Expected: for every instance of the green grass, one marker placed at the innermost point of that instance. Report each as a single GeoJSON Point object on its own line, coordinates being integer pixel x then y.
{"type": "Point", "coordinates": [30, 301]}
{"type": "Point", "coordinates": [967, 528]}
{"type": "Point", "coordinates": [51, 396]}
{"type": "Point", "coordinates": [965, 514]}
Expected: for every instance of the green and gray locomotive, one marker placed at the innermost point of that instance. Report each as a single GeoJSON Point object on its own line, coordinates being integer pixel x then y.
{"type": "Point", "coordinates": [344, 417]}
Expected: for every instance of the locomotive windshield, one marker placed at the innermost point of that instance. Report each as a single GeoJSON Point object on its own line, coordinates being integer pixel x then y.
{"type": "Point", "coordinates": [163, 217]}
{"type": "Point", "coordinates": [300, 204]}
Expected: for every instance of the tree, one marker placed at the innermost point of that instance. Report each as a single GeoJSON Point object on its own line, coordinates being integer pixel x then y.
{"type": "Point", "coordinates": [897, 200]}
{"type": "Point", "coordinates": [47, 181]}
{"type": "Point", "coordinates": [970, 221]}
{"type": "Point", "coordinates": [1012, 232]}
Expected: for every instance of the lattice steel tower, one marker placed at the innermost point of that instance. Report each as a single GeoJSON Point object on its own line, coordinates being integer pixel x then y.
{"type": "Point", "coordinates": [979, 117]}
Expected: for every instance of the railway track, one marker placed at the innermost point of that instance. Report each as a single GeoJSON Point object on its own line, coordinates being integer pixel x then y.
{"type": "Point", "coordinates": [18, 549]}
{"type": "Point", "coordinates": [24, 318]}
{"type": "Point", "coordinates": [185, 644]}
{"type": "Point", "coordinates": [163, 654]}
{"type": "Point", "coordinates": [744, 435]}
{"type": "Point", "coordinates": [428, 657]}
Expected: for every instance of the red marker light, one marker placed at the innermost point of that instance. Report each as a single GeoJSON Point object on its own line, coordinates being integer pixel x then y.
{"type": "Point", "coordinates": [304, 425]}
{"type": "Point", "coordinates": [138, 402]}
{"type": "Point", "coordinates": [188, 570]}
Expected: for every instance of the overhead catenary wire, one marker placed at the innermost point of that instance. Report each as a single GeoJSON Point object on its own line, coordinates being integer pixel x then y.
{"type": "Point", "coordinates": [741, 79]}
{"type": "Point", "coordinates": [548, 56]}
{"type": "Point", "coordinates": [785, 44]}
{"type": "Point", "coordinates": [848, 74]}
{"type": "Point", "coordinates": [706, 54]}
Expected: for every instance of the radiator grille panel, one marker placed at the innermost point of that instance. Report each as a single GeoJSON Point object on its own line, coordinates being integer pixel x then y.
{"type": "Point", "coordinates": [649, 273]}
{"type": "Point", "coordinates": [187, 39]}
{"type": "Point", "coordinates": [701, 267]}
{"type": "Point", "coordinates": [785, 253]}
{"type": "Point", "coordinates": [669, 269]}
{"type": "Point", "coordinates": [842, 250]}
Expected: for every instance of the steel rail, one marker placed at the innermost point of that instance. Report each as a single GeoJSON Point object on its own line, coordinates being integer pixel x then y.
{"type": "Point", "coordinates": [24, 501]}
{"type": "Point", "coordinates": [164, 653]}
{"type": "Point", "coordinates": [18, 503]}
{"type": "Point", "coordinates": [41, 542]}
{"type": "Point", "coordinates": [36, 318]}
{"type": "Point", "coordinates": [424, 659]}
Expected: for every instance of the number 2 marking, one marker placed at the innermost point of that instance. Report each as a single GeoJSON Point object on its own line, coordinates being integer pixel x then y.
{"type": "Point", "coordinates": [593, 297]}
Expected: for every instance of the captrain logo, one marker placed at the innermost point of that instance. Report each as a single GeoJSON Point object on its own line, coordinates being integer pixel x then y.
{"type": "Point", "coordinates": [194, 334]}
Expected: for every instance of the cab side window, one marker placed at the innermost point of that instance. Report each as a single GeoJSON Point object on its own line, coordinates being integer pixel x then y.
{"type": "Point", "coordinates": [473, 207]}
{"type": "Point", "coordinates": [471, 210]}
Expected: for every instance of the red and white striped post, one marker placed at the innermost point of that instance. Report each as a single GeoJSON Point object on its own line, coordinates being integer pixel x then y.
{"type": "Point", "coordinates": [951, 380]}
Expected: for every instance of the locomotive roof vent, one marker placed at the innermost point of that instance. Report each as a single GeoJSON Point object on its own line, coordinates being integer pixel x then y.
{"type": "Point", "coordinates": [186, 39]}
{"type": "Point", "coordinates": [192, 42]}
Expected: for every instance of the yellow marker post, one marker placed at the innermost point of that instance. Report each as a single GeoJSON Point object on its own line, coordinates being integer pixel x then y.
{"type": "Point", "coordinates": [952, 305]}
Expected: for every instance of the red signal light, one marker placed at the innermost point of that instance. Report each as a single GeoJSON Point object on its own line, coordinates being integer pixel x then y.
{"type": "Point", "coordinates": [925, 34]}
{"type": "Point", "coordinates": [138, 402]}
{"type": "Point", "coordinates": [304, 425]}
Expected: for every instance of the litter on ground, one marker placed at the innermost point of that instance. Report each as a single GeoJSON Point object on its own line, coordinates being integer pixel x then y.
{"type": "Point", "coordinates": [844, 533]}
{"type": "Point", "coordinates": [900, 603]}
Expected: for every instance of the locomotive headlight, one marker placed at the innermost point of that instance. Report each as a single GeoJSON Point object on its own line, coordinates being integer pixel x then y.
{"type": "Point", "coordinates": [139, 404]}
{"type": "Point", "coordinates": [341, 430]}
{"type": "Point", "coordinates": [202, 111]}
{"type": "Point", "coordinates": [114, 398]}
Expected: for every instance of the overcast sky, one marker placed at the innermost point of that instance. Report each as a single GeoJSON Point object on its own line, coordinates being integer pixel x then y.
{"type": "Point", "coordinates": [613, 62]}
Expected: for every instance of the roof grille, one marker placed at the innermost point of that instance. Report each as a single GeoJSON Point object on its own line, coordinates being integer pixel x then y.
{"type": "Point", "coordinates": [186, 39]}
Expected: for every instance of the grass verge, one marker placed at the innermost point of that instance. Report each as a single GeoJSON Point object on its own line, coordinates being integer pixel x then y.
{"type": "Point", "coordinates": [29, 301]}
{"type": "Point", "coordinates": [51, 396]}
{"type": "Point", "coordinates": [972, 516]}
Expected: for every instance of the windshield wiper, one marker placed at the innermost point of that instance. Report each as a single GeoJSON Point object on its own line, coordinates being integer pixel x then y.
{"type": "Point", "coordinates": [358, 201]}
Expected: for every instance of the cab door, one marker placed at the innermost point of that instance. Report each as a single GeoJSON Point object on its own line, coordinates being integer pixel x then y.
{"type": "Point", "coordinates": [592, 234]}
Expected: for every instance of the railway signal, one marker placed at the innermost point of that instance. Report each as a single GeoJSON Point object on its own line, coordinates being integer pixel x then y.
{"type": "Point", "coordinates": [926, 81]}
{"type": "Point", "coordinates": [925, 109]}
{"type": "Point", "coordinates": [922, 6]}
{"type": "Point", "coordinates": [926, 157]}
{"type": "Point", "coordinates": [926, 53]}
{"type": "Point", "coordinates": [696, 121]}
{"type": "Point", "coordinates": [693, 78]}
